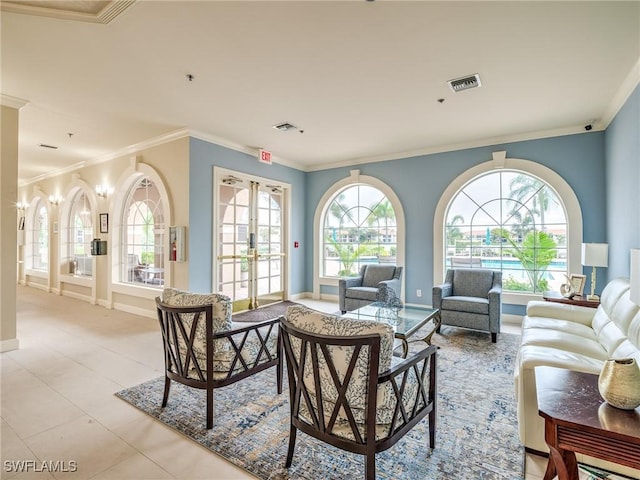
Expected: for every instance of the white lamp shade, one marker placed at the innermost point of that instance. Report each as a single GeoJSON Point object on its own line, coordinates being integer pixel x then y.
{"type": "Point", "coordinates": [595, 254]}
{"type": "Point", "coordinates": [634, 280]}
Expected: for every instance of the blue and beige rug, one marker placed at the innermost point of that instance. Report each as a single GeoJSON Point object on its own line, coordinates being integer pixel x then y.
{"type": "Point", "coordinates": [476, 432]}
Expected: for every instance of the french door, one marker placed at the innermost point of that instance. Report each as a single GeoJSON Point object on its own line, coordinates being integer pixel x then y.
{"type": "Point", "coordinates": [250, 253]}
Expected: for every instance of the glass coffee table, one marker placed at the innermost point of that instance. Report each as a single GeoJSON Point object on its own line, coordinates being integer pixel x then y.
{"type": "Point", "coordinates": [406, 321]}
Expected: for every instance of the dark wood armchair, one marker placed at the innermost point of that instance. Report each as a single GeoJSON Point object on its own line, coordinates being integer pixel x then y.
{"type": "Point", "coordinates": [202, 350]}
{"type": "Point", "coordinates": [347, 389]}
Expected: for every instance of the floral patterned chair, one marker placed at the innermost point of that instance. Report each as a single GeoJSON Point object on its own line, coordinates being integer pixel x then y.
{"type": "Point", "coordinates": [204, 349]}
{"type": "Point", "coordinates": [348, 390]}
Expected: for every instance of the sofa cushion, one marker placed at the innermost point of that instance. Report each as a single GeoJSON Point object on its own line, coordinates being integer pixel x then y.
{"type": "Point", "coordinates": [374, 274]}
{"type": "Point", "coordinates": [466, 304]}
{"type": "Point", "coordinates": [564, 342]}
{"type": "Point", "coordinates": [560, 325]}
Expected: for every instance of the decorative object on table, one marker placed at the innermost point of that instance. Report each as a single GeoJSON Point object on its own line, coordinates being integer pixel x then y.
{"type": "Point", "coordinates": [619, 383]}
{"type": "Point", "coordinates": [634, 277]}
{"type": "Point", "coordinates": [577, 282]}
{"type": "Point", "coordinates": [594, 255]}
{"type": "Point", "coordinates": [567, 290]}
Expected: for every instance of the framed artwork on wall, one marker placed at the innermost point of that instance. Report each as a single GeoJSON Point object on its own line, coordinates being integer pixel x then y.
{"type": "Point", "coordinates": [104, 223]}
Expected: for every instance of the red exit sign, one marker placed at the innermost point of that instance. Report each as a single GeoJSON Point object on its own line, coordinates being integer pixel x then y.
{"type": "Point", "coordinates": [264, 156]}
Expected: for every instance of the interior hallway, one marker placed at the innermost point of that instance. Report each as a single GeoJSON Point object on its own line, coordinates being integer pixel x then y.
{"type": "Point", "coordinates": [57, 401]}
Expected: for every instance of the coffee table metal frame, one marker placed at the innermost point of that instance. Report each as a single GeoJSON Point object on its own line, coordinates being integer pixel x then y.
{"type": "Point", "coordinates": [406, 321]}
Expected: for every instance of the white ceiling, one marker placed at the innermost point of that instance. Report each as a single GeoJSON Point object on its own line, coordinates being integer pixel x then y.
{"type": "Point", "coordinates": [361, 80]}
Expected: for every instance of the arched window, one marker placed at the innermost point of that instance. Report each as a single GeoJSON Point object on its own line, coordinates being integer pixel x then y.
{"type": "Point", "coordinates": [359, 227]}
{"type": "Point", "coordinates": [510, 221]}
{"type": "Point", "coordinates": [79, 235]}
{"type": "Point", "coordinates": [500, 162]}
{"type": "Point", "coordinates": [143, 230]}
{"type": "Point", "coordinates": [39, 235]}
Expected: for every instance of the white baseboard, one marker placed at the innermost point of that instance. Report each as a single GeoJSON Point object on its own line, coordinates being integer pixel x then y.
{"type": "Point", "coordinates": [8, 345]}
{"type": "Point", "coordinates": [143, 312]}
{"type": "Point", "coordinates": [78, 296]}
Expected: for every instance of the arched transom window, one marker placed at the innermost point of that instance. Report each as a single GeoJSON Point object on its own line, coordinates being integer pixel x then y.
{"type": "Point", "coordinates": [510, 221]}
{"type": "Point", "coordinates": [359, 227]}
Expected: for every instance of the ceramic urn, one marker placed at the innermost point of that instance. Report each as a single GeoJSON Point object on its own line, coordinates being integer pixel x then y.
{"type": "Point", "coordinates": [619, 383]}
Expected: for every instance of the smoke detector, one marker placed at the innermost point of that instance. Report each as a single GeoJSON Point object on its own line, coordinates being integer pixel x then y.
{"type": "Point", "coordinates": [465, 83]}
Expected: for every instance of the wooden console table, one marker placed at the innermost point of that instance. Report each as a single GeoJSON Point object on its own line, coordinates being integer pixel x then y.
{"type": "Point", "coordinates": [577, 419]}
{"type": "Point", "coordinates": [580, 301]}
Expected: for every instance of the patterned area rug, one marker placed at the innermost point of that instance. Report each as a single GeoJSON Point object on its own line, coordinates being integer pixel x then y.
{"type": "Point", "coordinates": [263, 313]}
{"type": "Point", "coordinates": [476, 432]}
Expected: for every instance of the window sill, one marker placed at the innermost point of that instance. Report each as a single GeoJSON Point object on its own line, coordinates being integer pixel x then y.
{"type": "Point", "coordinates": [77, 280]}
{"type": "Point", "coordinates": [142, 291]}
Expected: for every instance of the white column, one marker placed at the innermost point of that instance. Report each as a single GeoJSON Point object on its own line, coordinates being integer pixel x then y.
{"type": "Point", "coordinates": [8, 220]}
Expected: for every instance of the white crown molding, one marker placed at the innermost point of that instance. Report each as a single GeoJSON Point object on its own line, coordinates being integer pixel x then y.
{"type": "Point", "coordinates": [254, 152]}
{"type": "Point", "coordinates": [137, 147]}
{"type": "Point", "coordinates": [106, 15]}
{"type": "Point", "coordinates": [131, 149]}
{"type": "Point", "coordinates": [486, 142]}
{"type": "Point", "coordinates": [626, 89]}
{"type": "Point", "coordinates": [13, 102]}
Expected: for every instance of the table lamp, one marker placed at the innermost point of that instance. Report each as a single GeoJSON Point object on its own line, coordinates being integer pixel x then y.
{"type": "Point", "coordinates": [594, 255]}
{"type": "Point", "coordinates": [634, 280]}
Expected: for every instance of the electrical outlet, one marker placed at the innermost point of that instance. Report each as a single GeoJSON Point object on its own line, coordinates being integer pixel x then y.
{"type": "Point", "coordinates": [419, 292]}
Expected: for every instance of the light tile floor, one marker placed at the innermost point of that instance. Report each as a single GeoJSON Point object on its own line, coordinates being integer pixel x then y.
{"type": "Point", "coordinates": [57, 402]}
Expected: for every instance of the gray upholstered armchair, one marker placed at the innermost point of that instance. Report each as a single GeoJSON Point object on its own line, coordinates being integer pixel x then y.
{"type": "Point", "coordinates": [375, 283]}
{"type": "Point", "coordinates": [470, 298]}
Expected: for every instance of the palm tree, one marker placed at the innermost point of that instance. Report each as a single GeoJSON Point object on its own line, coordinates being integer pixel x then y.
{"type": "Point", "coordinates": [382, 210]}
{"type": "Point", "coordinates": [348, 256]}
{"type": "Point", "coordinates": [453, 233]}
{"type": "Point", "coordinates": [536, 252]}
{"type": "Point", "coordinates": [525, 188]}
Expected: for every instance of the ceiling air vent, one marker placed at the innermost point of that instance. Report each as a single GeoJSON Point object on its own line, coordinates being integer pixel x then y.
{"type": "Point", "coordinates": [285, 127]}
{"type": "Point", "coordinates": [465, 83]}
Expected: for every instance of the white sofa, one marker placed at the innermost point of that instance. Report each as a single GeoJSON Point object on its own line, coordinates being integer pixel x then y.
{"type": "Point", "coordinates": [576, 338]}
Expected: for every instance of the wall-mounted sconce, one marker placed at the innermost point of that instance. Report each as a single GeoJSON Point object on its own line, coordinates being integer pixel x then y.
{"type": "Point", "coordinates": [103, 190]}
{"type": "Point", "coordinates": [22, 205]}
{"type": "Point", "coordinates": [54, 199]}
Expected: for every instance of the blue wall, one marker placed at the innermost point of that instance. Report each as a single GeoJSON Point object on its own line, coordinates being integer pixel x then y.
{"type": "Point", "coordinates": [622, 150]}
{"type": "Point", "coordinates": [203, 157]}
{"type": "Point", "coordinates": [420, 181]}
